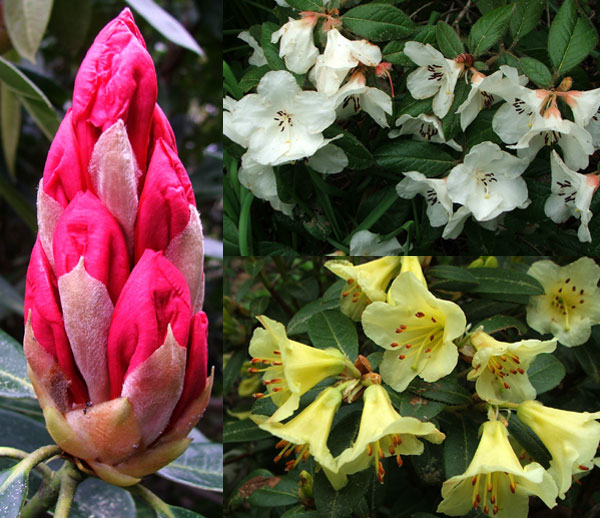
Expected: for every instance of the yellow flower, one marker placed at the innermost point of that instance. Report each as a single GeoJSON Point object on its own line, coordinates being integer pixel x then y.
{"type": "Point", "coordinates": [384, 432]}
{"type": "Point", "coordinates": [417, 330]}
{"type": "Point", "coordinates": [501, 367]}
{"type": "Point", "coordinates": [411, 263]}
{"type": "Point", "coordinates": [495, 481]}
{"type": "Point", "coordinates": [571, 304]}
{"type": "Point", "coordinates": [307, 433]}
{"type": "Point", "coordinates": [571, 438]}
{"type": "Point", "coordinates": [290, 368]}
{"type": "Point", "coordinates": [365, 283]}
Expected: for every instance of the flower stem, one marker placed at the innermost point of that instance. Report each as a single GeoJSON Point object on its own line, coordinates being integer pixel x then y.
{"type": "Point", "coordinates": [13, 453]}
{"type": "Point", "coordinates": [244, 223]}
{"type": "Point", "coordinates": [154, 501]}
{"type": "Point", "coordinates": [69, 478]}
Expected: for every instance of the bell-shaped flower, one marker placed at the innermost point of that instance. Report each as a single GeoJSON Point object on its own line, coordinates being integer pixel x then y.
{"type": "Point", "coordinates": [423, 127]}
{"type": "Point", "coordinates": [495, 482]}
{"type": "Point", "coordinates": [436, 76]}
{"type": "Point", "coordinates": [585, 105]}
{"type": "Point", "coordinates": [365, 283]}
{"type": "Point", "coordinates": [500, 368]}
{"type": "Point", "coordinates": [340, 56]}
{"type": "Point", "coordinates": [572, 438]}
{"type": "Point", "coordinates": [296, 46]}
{"type": "Point", "coordinates": [280, 123]}
{"type": "Point", "coordinates": [366, 243]}
{"type": "Point", "coordinates": [417, 331]}
{"type": "Point", "coordinates": [307, 433]}
{"type": "Point", "coordinates": [488, 182]}
{"type": "Point", "coordinates": [355, 96]}
{"type": "Point", "coordinates": [570, 305]}
{"type": "Point", "coordinates": [290, 368]}
{"type": "Point", "coordinates": [572, 194]}
{"type": "Point", "coordinates": [383, 433]}
{"type": "Point", "coordinates": [257, 58]}
{"type": "Point", "coordinates": [112, 304]}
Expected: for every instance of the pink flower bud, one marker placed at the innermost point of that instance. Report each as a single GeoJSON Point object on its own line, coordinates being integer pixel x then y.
{"type": "Point", "coordinates": [115, 340]}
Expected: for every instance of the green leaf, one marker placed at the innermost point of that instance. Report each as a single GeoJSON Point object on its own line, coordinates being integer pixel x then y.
{"type": "Point", "coordinates": [570, 39]}
{"type": "Point", "coordinates": [13, 490]}
{"type": "Point", "coordinates": [359, 157]}
{"type": "Point", "coordinates": [10, 118]}
{"type": "Point", "coordinates": [164, 23]}
{"type": "Point", "coordinates": [588, 356]}
{"type": "Point", "coordinates": [284, 493]}
{"type": "Point", "coordinates": [525, 17]}
{"type": "Point", "coordinates": [545, 373]}
{"type": "Point", "coordinates": [338, 504]}
{"type": "Point", "coordinates": [180, 512]}
{"type": "Point", "coordinates": [489, 29]}
{"type": "Point", "coordinates": [299, 322]}
{"type": "Point", "coordinates": [506, 282]}
{"type": "Point", "coordinates": [22, 432]}
{"type": "Point", "coordinates": [243, 431]}
{"type": "Point", "coordinates": [378, 22]}
{"type": "Point", "coordinates": [92, 495]}
{"type": "Point", "coordinates": [230, 82]}
{"type": "Point", "coordinates": [446, 390]}
{"type": "Point", "coordinates": [460, 444]}
{"type": "Point", "coordinates": [26, 22]}
{"type": "Point", "coordinates": [10, 297]}
{"type": "Point", "coordinates": [270, 49]}
{"type": "Point", "coordinates": [536, 71]}
{"type": "Point", "coordinates": [403, 155]}
{"type": "Point", "coordinates": [232, 370]}
{"type": "Point", "coordinates": [31, 96]}
{"type": "Point", "coordinates": [307, 5]}
{"type": "Point", "coordinates": [252, 77]}
{"type": "Point", "coordinates": [414, 107]}
{"type": "Point", "coordinates": [411, 405]}
{"type": "Point", "coordinates": [448, 41]}
{"type": "Point", "coordinates": [527, 438]}
{"type": "Point", "coordinates": [451, 122]}
{"type": "Point", "coordinates": [200, 466]}
{"type": "Point", "coordinates": [394, 53]}
{"type": "Point", "coordinates": [500, 323]}
{"type": "Point", "coordinates": [333, 329]}
{"type": "Point", "coordinates": [299, 511]}
{"type": "Point", "coordinates": [452, 278]}
{"type": "Point", "coordinates": [14, 381]}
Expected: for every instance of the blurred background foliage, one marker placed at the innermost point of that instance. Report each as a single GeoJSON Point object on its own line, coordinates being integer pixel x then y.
{"type": "Point", "coordinates": [189, 91]}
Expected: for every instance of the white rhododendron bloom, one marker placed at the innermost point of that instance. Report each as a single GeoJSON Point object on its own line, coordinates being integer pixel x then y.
{"type": "Point", "coordinates": [423, 127]}
{"type": "Point", "coordinates": [329, 159]}
{"type": "Point", "coordinates": [340, 56]}
{"type": "Point", "coordinates": [280, 123]}
{"type": "Point", "coordinates": [516, 117]}
{"type": "Point", "coordinates": [436, 76]}
{"type": "Point", "coordinates": [355, 96]}
{"type": "Point", "coordinates": [260, 181]}
{"type": "Point", "coordinates": [586, 111]}
{"type": "Point", "coordinates": [258, 56]}
{"type": "Point", "coordinates": [572, 194]}
{"type": "Point", "coordinates": [296, 46]}
{"type": "Point", "coordinates": [488, 182]}
{"type": "Point", "coordinates": [368, 243]}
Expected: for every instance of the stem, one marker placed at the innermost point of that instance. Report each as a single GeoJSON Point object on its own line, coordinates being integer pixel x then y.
{"type": "Point", "coordinates": [13, 453]}
{"type": "Point", "coordinates": [151, 498]}
{"type": "Point", "coordinates": [244, 223]}
{"type": "Point", "coordinates": [267, 283]}
{"type": "Point", "coordinates": [69, 478]}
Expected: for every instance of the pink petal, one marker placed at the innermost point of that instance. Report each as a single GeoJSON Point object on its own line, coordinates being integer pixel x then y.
{"type": "Point", "coordinates": [86, 229]}
{"type": "Point", "coordinates": [163, 210]}
{"type": "Point", "coordinates": [116, 80]}
{"type": "Point", "coordinates": [49, 212]}
{"type": "Point", "coordinates": [41, 298]}
{"type": "Point", "coordinates": [155, 296]}
{"type": "Point", "coordinates": [195, 371]}
{"type": "Point", "coordinates": [160, 129]}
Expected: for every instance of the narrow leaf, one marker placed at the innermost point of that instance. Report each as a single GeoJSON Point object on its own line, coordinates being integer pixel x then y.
{"type": "Point", "coordinates": [460, 444]}
{"type": "Point", "coordinates": [452, 278]}
{"type": "Point", "coordinates": [10, 120]}
{"type": "Point", "coordinates": [503, 281]}
{"type": "Point", "coordinates": [14, 381]}
{"type": "Point", "coordinates": [378, 22]}
{"type": "Point", "coordinates": [489, 29]}
{"type": "Point", "coordinates": [26, 22]}
{"type": "Point", "coordinates": [164, 23]}
{"type": "Point", "coordinates": [285, 492]}
{"type": "Point", "coordinates": [299, 322]}
{"type": "Point", "coordinates": [13, 489]}
{"type": "Point", "coordinates": [243, 431]}
{"type": "Point", "coordinates": [500, 323]}
{"type": "Point", "coordinates": [413, 155]}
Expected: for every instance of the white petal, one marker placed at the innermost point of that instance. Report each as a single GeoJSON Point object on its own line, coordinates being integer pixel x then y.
{"type": "Point", "coordinates": [329, 159]}
{"type": "Point", "coordinates": [365, 243]}
{"type": "Point", "coordinates": [421, 85]}
{"type": "Point", "coordinates": [422, 54]}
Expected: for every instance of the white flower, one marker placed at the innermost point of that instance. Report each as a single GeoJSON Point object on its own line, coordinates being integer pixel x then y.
{"type": "Point", "coordinates": [339, 57]}
{"type": "Point", "coordinates": [435, 192]}
{"type": "Point", "coordinates": [423, 127]}
{"type": "Point", "coordinates": [368, 243]}
{"type": "Point", "coordinates": [516, 117]}
{"type": "Point", "coordinates": [571, 196]}
{"type": "Point", "coordinates": [329, 159]}
{"type": "Point", "coordinates": [356, 95]}
{"type": "Point", "coordinates": [586, 110]}
{"type": "Point", "coordinates": [280, 123]}
{"type": "Point", "coordinates": [258, 56]}
{"type": "Point", "coordinates": [488, 182]}
{"type": "Point", "coordinates": [260, 181]}
{"type": "Point", "coordinates": [456, 223]}
{"type": "Point", "coordinates": [297, 45]}
{"type": "Point", "coordinates": [436, 75]}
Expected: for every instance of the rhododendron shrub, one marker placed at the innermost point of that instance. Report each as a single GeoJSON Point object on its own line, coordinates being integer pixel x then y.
{"type": "Point", "coordinates": [492, 110]}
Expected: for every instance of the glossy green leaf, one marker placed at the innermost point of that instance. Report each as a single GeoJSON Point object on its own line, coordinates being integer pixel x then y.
{"type": "Point", "coordinates": [500, 323]}
{"type": "Point", "coordinates": [180, 512]}
{"type": "Point", "coordinates": [200, 466]}
{"type": "Point", "coordinates": [252, 77]}
{"type": "Point", "coordinates": [22, 432]}
{"type": "Point", "coordinates": [300, 511]}
{"type": "Point", "coordinates": [284, 493]}
{"type": "Point", "coordinates": [588, 356]}
{"type": "Point", "coordinates": [448, 41]}
{"type": "Point", "coordinates": [571, 38]}
{"type": "Point", "coordinates": [526, 437]}
{"type": "Point", "coordinates": [393, 52]}
{"type": "Point", "coordinates": [299, 322]}
{"type": "Point", "coordinates": [94, 497]}
{"type": "Point", "coordinates": [13, 489]}
{"type": "Point", "coordinates": [545, 373]}
{"type": "Point", "coordinates": [26, 22]}
{"type": "Point", "coordinates": [460, 443]}
{"type": "Point", "coordinates": [164, 23]}
{"type": "Point", "coordinates": [525, 17]}
{"type": "Point", "coordinates": [334, 329]}
{"type": "Point", "coordinates": [10, 123]}
{"type": "Point", "coordinates": [243, 431]}
{"type": "Point", "coordinates": [446, 390]}
{"type": "Point", "coordinates": [409, 404]}
{"type": "Point", "coordinates": [536, 71]}
{"type": "Point", "coordinates": [359, 157]}
{"type": "Point", "coordinates": [13, 369]}
{"type": "Point", "coordinates": [402, 155]}
{"type": "Point", "coordinates": [378, 22]}
{"type": "Point", "coordinates": [307, 5]}
{"type": "Point", "coordinates": [489, 29]}
{"type": "Point", "coordinates": [452, 278]}
{"type": "Point", "coordinates": [338, 504]}
{"type": "Point", "coordinates": [451, 122]}
{"type": "Point", "coordinates": [507, 282]}
{"type": "Point", "coordinates": [270, 49]}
